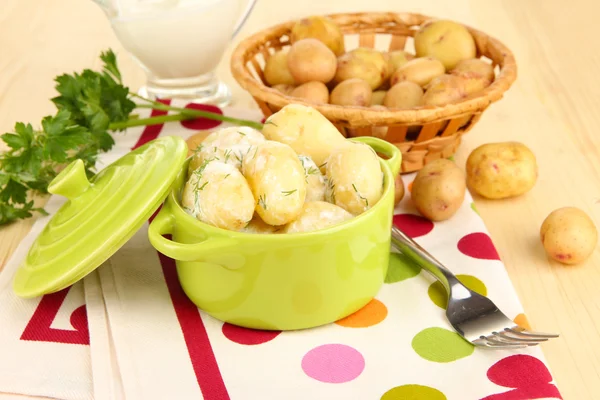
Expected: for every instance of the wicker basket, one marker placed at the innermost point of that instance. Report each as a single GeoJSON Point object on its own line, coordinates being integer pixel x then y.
{"type": "Point", "coordinates": [422, 134]}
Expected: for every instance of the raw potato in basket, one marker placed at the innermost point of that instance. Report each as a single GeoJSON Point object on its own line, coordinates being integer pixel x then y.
{"type": "Point", "coordinates": [217, 194]}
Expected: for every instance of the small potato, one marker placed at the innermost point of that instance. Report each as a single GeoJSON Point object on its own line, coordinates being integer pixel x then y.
{"type": "Point", "coordinates": [448, 41]}
{"type": "Point", "coordinates": [354, 178]}
{"type": "Point", "coordinates": [283, 88]}
{"type": "Point", "coordinates": [317, 215]}
{"type": "Point", "coordinates": [316, 92]}
{"type": "Point", "coordinates": [501, 170]}
{"type": "Point", "coordinates": [194, 141]}
{"type": "Point", "coordinates": [377, 97]}
{"type": "Point", "coordinates": [420, 71]}
{"type": "Point", "coordinates": [306, 130]}
{"type": "Point", "coordinates": [398, 58]}
{"type": "Point", "coordinates": [438, 190]}
{"type": "Point", "coordinates": [310, 60]}
{"type": "Point", "coordinates": [257, 225]}
{"type": "Point", "coordinates": [352, 92]}
{"type": "Point", "coordinates": [367, 64]}
{"type": "Point", "coordinates": [477, 74]}
{"type": "Point", "coordinates": [321, 28]}
{"type": "Point", "coordinates": [444, 89]}
{"type": "Point", "coordinates": [315, 181]}
{"type": "Point", "coordinates": [405, 94]}
{"type": "Point", "coordinates": [277, 180]}
{"type": "Point", "coordinates": [569, 235]}
{"type": "Point", "coordinates": [228, 145]}
{"type": "Point", "coordinates": [277, 71]}
{"type": "Point", "coordinates": [399, 189]}
{"type": "Point", "coordinates": [217, 193]}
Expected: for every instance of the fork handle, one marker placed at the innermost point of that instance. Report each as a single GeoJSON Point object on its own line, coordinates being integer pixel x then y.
{"type": "Point", "coordinates": [415, 252]}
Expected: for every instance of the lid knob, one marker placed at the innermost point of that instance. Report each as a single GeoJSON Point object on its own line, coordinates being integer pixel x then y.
{"type": "Point", "coordinates": [71, 181]}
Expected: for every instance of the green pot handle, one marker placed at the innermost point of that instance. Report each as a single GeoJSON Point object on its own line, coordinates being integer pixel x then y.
{"type": "Point", "coordinates": [387, 148]}
{"type": "Point", "coordinates": [163, 225]}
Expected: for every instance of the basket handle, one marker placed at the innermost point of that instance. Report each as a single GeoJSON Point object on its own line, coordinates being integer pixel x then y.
{"type": "Point", "coordinates": [395, 155]}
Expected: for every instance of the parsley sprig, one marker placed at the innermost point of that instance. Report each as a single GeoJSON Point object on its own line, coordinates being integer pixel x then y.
{"type": "Point", "coordinates": [90, 106]}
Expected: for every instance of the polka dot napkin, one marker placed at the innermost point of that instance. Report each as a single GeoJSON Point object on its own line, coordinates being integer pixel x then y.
{"type": "Point", "coordinates": [399, 346]}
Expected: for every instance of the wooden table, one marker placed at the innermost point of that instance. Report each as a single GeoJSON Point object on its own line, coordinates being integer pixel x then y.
{"type": "Point", "coordinates": [553, 108]}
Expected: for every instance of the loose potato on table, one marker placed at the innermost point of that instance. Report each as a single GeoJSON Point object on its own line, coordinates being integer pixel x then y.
{"type": "Point", "coordinates": [310, 60]}
{"type": "Point", "coordinates": [367, 64]}
{"type": "Point", "coordinates": [399, 189]}
{"type": "Point", "coordinates": [444, 89]}
{"type": "Point", "coordinates": [306, 130]}
{"type": "Point", "coordinates": [352, 92]}
{"type": "Point", "coordinates": [501, 170]}
{"type": "Point", "coordinates": [277, 71]}
{"type": "Point", "coordinates": [315, 181]}
{"type": "Point", "coordinates": [317, 215]}
{"type": "Point", "coordinates": [354, 178]}
{"type": "Point", "coordinates": [405, 94]}
{"type": "Point", "coordinates": [420, 71]}
{"type": "Point", "coordinates": [217, 193]}
{"type": "Point", "coordinates": [447, 41]}
{"type": "Point", "coordinates": [321, 28]}
{"type": "Point", "coordinates": [316, 92]}
{"type": "Point", "coordinates": [569, 235]}
{"type": "Point", "coordinates": [277, 180]}
{"type": "Point", "coordinates": [228, 145]}
{"type": "Point", "coordinates": [438, 190]}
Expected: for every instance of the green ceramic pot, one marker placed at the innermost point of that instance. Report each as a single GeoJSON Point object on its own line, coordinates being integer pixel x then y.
{"type": "Point", "coordinates": [286, 281]}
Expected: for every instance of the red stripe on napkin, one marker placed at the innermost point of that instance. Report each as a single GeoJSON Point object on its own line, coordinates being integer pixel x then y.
{"type": "Point", "coordinates": [151, 132]}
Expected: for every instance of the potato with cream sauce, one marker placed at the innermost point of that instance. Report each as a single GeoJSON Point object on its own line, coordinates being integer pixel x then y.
{"type": "Point", "coordinates": [277, 180]}
{"type": "Point", "coordinates": [217, 193]}
{"type": "Point", "coordinates": [317, 215]}
{"type": "Point", "coordinates": [315, 181]}
{"type": "Point", "coordinates": [228, 145]}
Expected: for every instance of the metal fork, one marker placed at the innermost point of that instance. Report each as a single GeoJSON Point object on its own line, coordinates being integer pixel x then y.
{"type": "Point", "coordinates": [473, 316]}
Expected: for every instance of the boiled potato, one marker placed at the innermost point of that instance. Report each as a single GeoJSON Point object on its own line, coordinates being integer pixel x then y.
{"type": "Point", "coordinates": [228, 145]}
{"type": "Point", "coordinates": [444, 89]}
{"type": "Point", "coordinates": [447, 41]}
{"type": "Point", "coordinates": [284, 88]}
{"type": "Point", "coordinates": [398, 189]}
{"type": "Point", "coordinates": [310, 60]}
{"type": "Point", "coordinates": [352, 92]}
{"type": "Point", "coordinates": [315, 181]}
{"type": "Point", "coordinates": [569, 235]}
{"type": "Point", "coordinates": [312, 91]}
{"type": "Point", "coordinates": [501, 170]}
{"type": "Point", "coordinates": [377, 97]}
{"type": "Point", "coordinates": [306, 130]}
{"type": "Point", "coordinates": [321, 28]}
{"type": "Point", "coordinates": [277, 71]}
{"type": "Point", "coordinates": [367, 64]}
{"type": "Point", "coordinates": [194, 141]}
{"type": "Point", "coordinates": [398, 58]}
{"type": "Point", "coordinates": [317, 215]}
{"type": "Point", "coordinates": [438, 190]}
{"type": "Point", "coordinates": [277, 180]}
{"type": "Point", "coordinates": [405, 94]}
{"type": "Point", "coordinates": [420, 71]}
{"type": "Point", "coordinates": [477, 74]}
{"type": "Point", "coordinates": [257, 225]}
{"type": "Point", "coordinates": [217, 193]}
{"type": "Point", "coordinates": [354, 178]}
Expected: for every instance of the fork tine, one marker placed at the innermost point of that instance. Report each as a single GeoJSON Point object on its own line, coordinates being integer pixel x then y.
{"type": "Point", "coordinates": [504, 335]}
{"type": "Point", "coordinates": [497, 340]}
{"type": "Point", "coordinates": [486, 342]}
{"type": "Point", "coordinates": [517, 330]}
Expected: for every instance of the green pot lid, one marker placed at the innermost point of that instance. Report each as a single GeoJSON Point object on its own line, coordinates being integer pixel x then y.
{"type": "Point", "coordinates": [100, 215]}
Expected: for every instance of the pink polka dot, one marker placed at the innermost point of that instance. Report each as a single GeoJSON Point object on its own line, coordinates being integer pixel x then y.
{"type": "Point", "coordinates": [333, 363]}
{"type": "Point", "coordinates": [413, 225]}
{"type": "Point", "coordinates": [247, 336]}
{"type": "Point", "coordinates": [478, 245]}
{"type": "Point", "coordinates": [202, 123]}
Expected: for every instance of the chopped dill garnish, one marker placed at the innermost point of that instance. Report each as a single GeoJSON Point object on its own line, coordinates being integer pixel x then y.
{"type": "Point", "coordinates": [267, 122]}
{"type": "Point", "coordinates": [227, 154]}
{"type": "Point", "coordinates": [361, 197]}
{"type": "Point", "coordinates": [241, 133]}
{"type": "Point", "coordinates": [226, 176]}
{"type": "Point", "coordinates": [262, 201]}
{"type": "Point", "coordinates": [288, 192]}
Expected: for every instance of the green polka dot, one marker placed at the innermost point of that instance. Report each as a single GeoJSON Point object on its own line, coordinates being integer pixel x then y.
{"type": "Point", "coordinates": [413, 392]}
{"type": "Point", "coordinates": [474, 208]}
{"type": "Point", "coordinates": [437, 292]}
{"type": "Point", "coordinates": [400, 268]}
{"type": "Point", "coordinates": [441, 345]}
